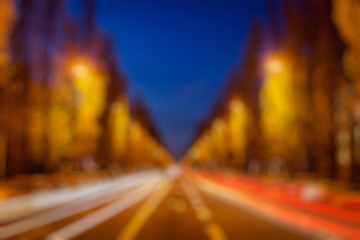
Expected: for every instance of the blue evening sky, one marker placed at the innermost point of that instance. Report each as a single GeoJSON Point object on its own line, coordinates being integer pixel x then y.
{"type": "Point", "coordinates": [177, 54]}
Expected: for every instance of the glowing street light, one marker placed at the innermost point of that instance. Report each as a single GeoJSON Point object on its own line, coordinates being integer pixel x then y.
{"type": "Point", "coordinates": [236, 106]}
{"type": "Point", "coordinates": [275, 66]}
{"type": "Point", "coordinates": [80, 70]}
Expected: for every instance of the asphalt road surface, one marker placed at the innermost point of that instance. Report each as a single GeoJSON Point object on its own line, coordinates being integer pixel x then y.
{"type": "Point", "coordinates": [157, 205]}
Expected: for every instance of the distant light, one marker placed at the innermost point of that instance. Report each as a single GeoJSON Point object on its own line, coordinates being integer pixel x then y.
{"type": "Point", "coordinates": [219, 125]}
{"type": "Point", "coordinates": [236, 106]}
{"type": "Point", "coordinates": [275, 66]}
{"type": "Point", "coordinates": [79, 70]}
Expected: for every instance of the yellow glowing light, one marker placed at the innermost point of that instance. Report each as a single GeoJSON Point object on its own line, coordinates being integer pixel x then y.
{"type": "Point", "coordinates": [80, 70]}
{"type": "Point", "coordinates": [119, 122]}
{"type": "Point", "coordinates": [219, 125]}
{"type": "Point", "coordinates": [236, 106]}
{"type": "Point", "coordinates": [275, 66]}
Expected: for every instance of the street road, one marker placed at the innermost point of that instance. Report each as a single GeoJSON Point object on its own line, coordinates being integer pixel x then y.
{"type": "Point", "coordinates": [162, 204]}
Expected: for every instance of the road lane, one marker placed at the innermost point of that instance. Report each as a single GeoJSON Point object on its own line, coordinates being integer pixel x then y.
{"type": "Point", "coordinates": [219, 221]}
{"type": "Point", "coordinates": [203, 212]}
{"type": "Point", "coordinates": [23, 206]}
{"type": "Point", "coordinates": [42, 231]}
{"type": "Point", "coordinates": [108, 212]}
{"type": "Point", "coordinates": [135, 225]}
{"type": "Point", "coordinates": [173, 219]}
{"type": "Point", "coordinates": [275, 214]}
{"type": "Point", "coordinates": [45, 222]}
{"type": "Point", "coordinates": [240, 224]}
{"type": "Point", "coordinates": [164, 207]}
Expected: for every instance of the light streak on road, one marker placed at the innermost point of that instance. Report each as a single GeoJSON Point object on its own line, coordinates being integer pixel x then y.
{"type": "Point", "coordinates": [135, 225]}
{"type": "Point", "coordinates": [96, 199]}
{"type": "Point", "coordinates": [20, 206]}
{"type": "Point", "coordinates": [203, 213]}
{"type": "Point", "coordinates": [297, 223]}
{"type": "Point", "coordinates": [112, 209]}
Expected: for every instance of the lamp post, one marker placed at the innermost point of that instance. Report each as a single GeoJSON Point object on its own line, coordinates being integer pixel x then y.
{"type": "Point", "coordinates": [277, 109]}
{"type": "Point", "coordinates": [90, 85]}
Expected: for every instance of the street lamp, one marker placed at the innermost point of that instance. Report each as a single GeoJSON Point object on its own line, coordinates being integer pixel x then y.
{"type": "Point", "coordinates": [79, 70]}
{"type": "Point", "coordinates": [236, 106]}
{"type": "Point", "coordinates": [274, 65]}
